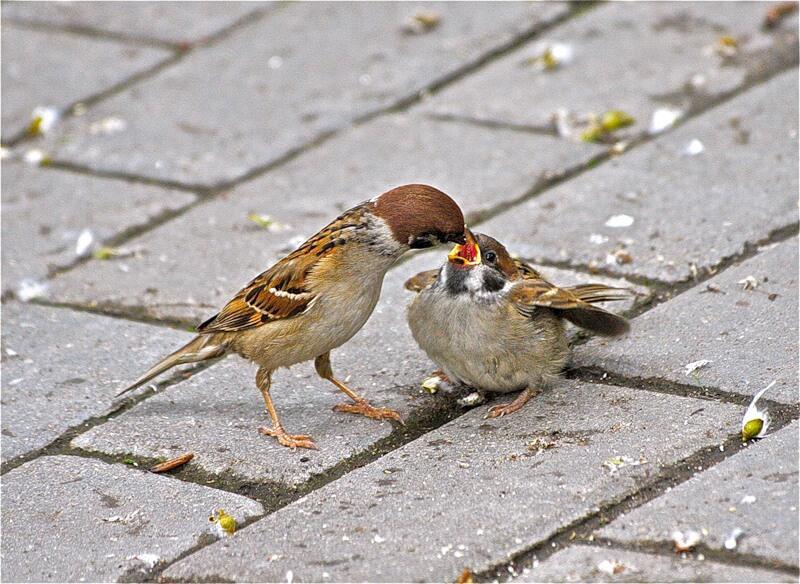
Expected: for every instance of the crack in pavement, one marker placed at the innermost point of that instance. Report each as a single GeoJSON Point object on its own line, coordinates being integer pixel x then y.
{"type": "Point", "coordinates": [582, 529]}
{"type": "Point", "coordinates": [667, 549]}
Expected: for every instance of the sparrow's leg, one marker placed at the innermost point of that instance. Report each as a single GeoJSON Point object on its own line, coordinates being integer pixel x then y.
{"type": "Point", "coordinates": [361, 406]}
{"type": "Point", "coordinates": [522, 399]}
{"type": "Point", "coordinates": [263, 381]}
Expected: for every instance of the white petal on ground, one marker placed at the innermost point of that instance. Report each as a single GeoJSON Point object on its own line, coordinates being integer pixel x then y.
{"type": "Point", "coordinates": [663, 119]}
{"type": "Point", "coordinates": [28, 289]}
{"type": "Point", "coordinates": [690, 368]}
{"type": "Point", "coordinates": [730, 542]}
{"type": "Point", "coordinates": [619, 221]}
{"type": "Point", "coordinates": [84, 243]}
{"type": "Point", "coordinates": [694, 148]}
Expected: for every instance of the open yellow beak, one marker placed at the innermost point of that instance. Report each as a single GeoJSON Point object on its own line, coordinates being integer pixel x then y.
{"type": "Point", "coordinates": [468, 254]}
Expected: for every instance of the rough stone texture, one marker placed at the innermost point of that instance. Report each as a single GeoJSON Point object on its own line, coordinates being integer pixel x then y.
{"type": "Point", "coordinates": [173, 22]}
{"type": "Point", "coordinates": [58, 69]}
{"type": "Point", "coordinates": [46, 210]}
{"type": "Point", "coordinates": [676, 45]}
{"type": "Point", "coordinates": [62, 367]}
{"type": "Point", "coordinates": [685, 209]}
{"type": "Point", "coordinates": [194, 264]}
{"type": "Point", "coordinates": [749, 338]}
{"type": "Point", "coordinates": [70, 519]}
{"type": "Point", "coordinates": [217, 412]}
{"type": "Point", "coordinates": [713, 501]}
{"type": "Point", "coordinates": [580, 564]}
{"type": "Point", "coordinates": [220, 113]}
{"type": "Point", "coordinates": [479, 488]}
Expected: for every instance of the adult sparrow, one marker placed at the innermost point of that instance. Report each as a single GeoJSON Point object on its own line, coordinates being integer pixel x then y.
{"type": "Point", "coordinates": [495, 324]}
{"type": "Point", "coordinates": [319, 296]}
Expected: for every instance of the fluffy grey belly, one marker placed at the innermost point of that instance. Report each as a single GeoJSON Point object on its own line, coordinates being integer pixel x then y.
{"type": "Point", "coordinates": [479, 345]}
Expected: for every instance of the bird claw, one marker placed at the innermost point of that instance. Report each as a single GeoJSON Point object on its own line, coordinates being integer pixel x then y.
{"type": "Point", "coordinates": [501, 410]}
{"type": "Point", "coordinates": [364, 408]}
{"type": "Point", "coordinates": [290, 440]}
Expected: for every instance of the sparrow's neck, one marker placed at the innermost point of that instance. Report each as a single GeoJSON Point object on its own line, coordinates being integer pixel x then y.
{"type": "Point", "coordinates": [480, 281]}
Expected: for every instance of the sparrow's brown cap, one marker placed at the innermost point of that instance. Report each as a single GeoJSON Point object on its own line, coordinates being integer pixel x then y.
{"type": "Point", "coordinates": [419, 212]}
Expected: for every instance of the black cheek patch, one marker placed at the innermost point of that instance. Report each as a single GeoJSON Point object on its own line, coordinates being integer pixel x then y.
{"type": "Point", "coordinates": [493, 282]}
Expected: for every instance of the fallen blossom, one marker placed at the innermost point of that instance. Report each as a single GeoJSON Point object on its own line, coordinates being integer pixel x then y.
{"type": "Point", "coordinates": [748, 283]}
{"type": "Point", "coordinates": [685, 541]}
{"type": "Point", "coordinates": [84, 243]}
{"type": "Point", "coordinates": [755, 421]}
{"type": "Point", "coordinates": [42, 120]}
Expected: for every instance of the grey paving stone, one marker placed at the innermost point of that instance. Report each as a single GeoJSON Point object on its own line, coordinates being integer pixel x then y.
{"type": "Point", "coordinates": [196, 263]}
{"type": "Point", "coordinates": [174, 22]}
{"type": "Point", "coordinates": [685, 210]}
{"type": "Point", "coordinates": [57, 69]}
{"type": "Point", "coordinates": [61, 367]}
{"type": "Point", "coordinates": [715, 502]}
{"type": "Point", "coordinates": [46, 210]}
{"type": "Point", "coordinates": [749, 336]}
{"type": "Point", "coordinates": [471, 493]}
{"type": "Point", "coordinates": [70, 519]}
{"type": "Point", "coordinates": [582, 564]}
{"type": "Point", "coordinates": [675, 64]}
{"type": "Point", "coordinates": [217, 412]}
{"type": "Point", "coordinates": [240, 104]}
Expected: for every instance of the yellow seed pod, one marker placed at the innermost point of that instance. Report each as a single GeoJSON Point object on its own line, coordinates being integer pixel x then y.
{"type": "Point", "coordinates": [752, 429]}
{"type": "Point", "coordinates": [616, 119]}
{"type": "Point", "coordinates": [226, 524]}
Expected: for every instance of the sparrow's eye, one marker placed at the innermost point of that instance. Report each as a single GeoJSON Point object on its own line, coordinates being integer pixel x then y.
{"type": "Point", "coordinates": [490, 256]}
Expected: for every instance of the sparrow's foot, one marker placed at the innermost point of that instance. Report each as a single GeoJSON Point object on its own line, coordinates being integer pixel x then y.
{"type": "Point", "coordinates": [364, 408]}
{"type": "Point", "coordinates": [504, 409]}
{"type": "Point", "coordinates": [291, 440]}
{"type": "Point", "coordinates": [441, 375]}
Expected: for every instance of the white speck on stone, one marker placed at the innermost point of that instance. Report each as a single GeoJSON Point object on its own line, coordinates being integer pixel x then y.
{"type": "Point", "coordinates": [11, 352]}
{"type": "Point", "coordinates": [748, 499]}
{"type": "Point", "coordinates": [34, 156]}
{"type": "Point", "coordinates": [84, 243]}
{"type": "Point", "coordinates": [275, 62]}
{"type": "Point", "coordinates": [731, 541]}
{"type": "Point", "coordinates": [663, 119]}
{"type": "Point", "coordinates": [611, 567]}
{"type": "Point", "coordinates": [16, 381]}
{"type": "Point", "coordinates": [289, 577]}
{"type": "Point", "coordinates": [365, 79]}
{"type": "Point", "coordinates": [108, 126]}
{"type": "Point", "coordinates": [619, 221]}
{"type": "Point", "coordinates": [378, 539]}
{"type": "Point", "coordinates": [28, 289]}
{"type": "Point", "coordinates": [694, 148]}
{"type": "Point", "coordinates": [150, 560]}
{"type": "Point", "coordinates": [597, 239]}
{"type": "Point", "coordinates": [690, 368]}
{"type": "Point", "coordinates": [685, 541]}
{"type": "Point", "coordinates": [748, 283]}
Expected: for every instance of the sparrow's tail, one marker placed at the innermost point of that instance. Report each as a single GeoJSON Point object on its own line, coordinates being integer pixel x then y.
{"type": "Point", "coordinates": [200, 348]}
{"type": "Point", "coordinates": [594, 318]}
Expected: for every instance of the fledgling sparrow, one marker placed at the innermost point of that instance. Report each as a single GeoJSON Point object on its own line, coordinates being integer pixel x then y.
{"type": "Point", "coordinates": [493, 323]}
{"type": "Point", "coordinates": [319, 296]}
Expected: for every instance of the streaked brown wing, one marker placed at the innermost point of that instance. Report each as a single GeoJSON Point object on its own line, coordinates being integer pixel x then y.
{"type": "Point", "coordinates": [282, 291]}
{"type": "Point", "coordinates": [526, 271]}
{"type": "Point", "coordinates": [422, 280]}
{"type": "Point", "coordinates": [530, 295]}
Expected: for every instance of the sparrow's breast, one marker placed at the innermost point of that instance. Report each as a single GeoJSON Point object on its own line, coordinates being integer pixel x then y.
{"type": "Point", "coordinates": [486, 345]}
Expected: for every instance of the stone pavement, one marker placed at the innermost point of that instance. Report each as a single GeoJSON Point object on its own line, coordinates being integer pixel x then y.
{"type": "Point", "coordinates": [130, 218]}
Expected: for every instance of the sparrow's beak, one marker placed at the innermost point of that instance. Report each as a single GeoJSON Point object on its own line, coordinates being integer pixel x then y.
{"type": "Point", "coordinates": [466, 255]}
